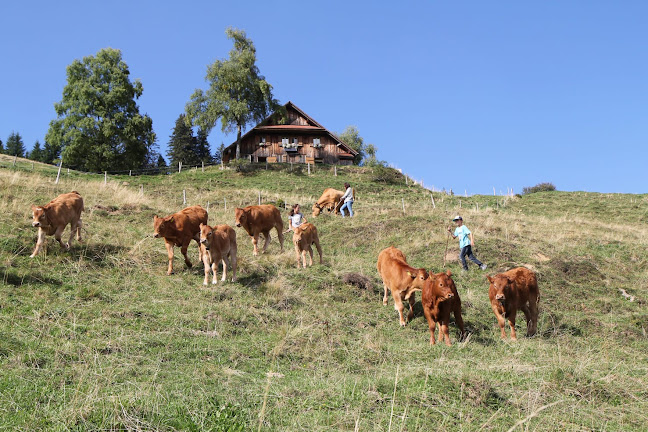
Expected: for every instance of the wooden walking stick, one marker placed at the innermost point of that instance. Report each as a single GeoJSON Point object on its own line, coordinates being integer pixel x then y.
{"type": "Point", "coordinates": [446, 249]}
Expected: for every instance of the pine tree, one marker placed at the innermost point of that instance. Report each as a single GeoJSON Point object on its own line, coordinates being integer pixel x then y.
{"type": "Point", "coordinates": [202, 150]}
{"type": "Point", "coordinates": [181, 144]}
{"type": "Point", "coordinates": [218, 154]}
{"type": "Point", "coordinates": [1, 147]}
{"type": "Point", "coordinates": [15, 146]}
{"type": "Point", "coordinates": [37, 152]}
{"type": "Point", "coordinates": [161, 163]}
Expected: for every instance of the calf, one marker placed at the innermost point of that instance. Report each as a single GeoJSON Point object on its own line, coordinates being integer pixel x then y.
{"type": "Point", "coordinates": [303, 237]}
{"type": "Point", "coordinates": [330, 200]}
{"type": "Point", "coordinates": [179, 229]}
{"type": "Point", "coordinates": [401, 279]}
{"type": "Point", "coordinates": [219, 243]}
{"type": "Point", "coordinates": [260, 219]}
{"type": "Point", "coordinates": [53, 217]}
{"type": "Point", "coordinates": [511, 291]}
{"type": "Point", "coordinates": [439, 298]}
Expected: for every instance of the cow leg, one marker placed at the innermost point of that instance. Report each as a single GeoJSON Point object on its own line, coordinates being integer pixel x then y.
{"type": "Point", "coordinates": [281, 237]}
{"type": "Point", "coordinates": [57, 235]}
{"type": "Point", "coordinates": [412, 301]}
{"type": "Point", "coordinates": [233, 263]}
{"type": "Point", "coordinates": [398, 305]}
{"type": "Point", "coordinates": [511, 321]}
{"type": "Point", "coordinates": [527, 315]}
{"type": "Point", "coordinates": [445, 333]}
{"type": "Point", "coordinates": [298, 253]}
{"type": "Point", "coordinates": [73, 232]}
{"type": "Point", "coordinates": [303, 258]}
{"type": "Point", "coordinates": [500, 320]}
{"type": "Point", "coordinates": [255, 241]}
{"type": "Point", "coordinates": [385, 296]}
{"type": "Point", "coordinates": [431, 324]}
{"type": "Point", "coordinates": [310, 255]}
{"type": "Point", "coordinates": [169, 247]}
{"type": "Point", "coordinates": [267, 240]}
{"type": "Point", "coordinates": [533, 315]}
{"type": "Point", "coordinates": [319, 251]}
{"type": "Point", "coordinates": [206, 259]}
{"type": "Point", "coordinates": [184, 248]}
{"type": "Point", "coordinates": [39, 242]}
{"type": "Point", "coordinates": [78, 230]}
{"type": "Point", "coordinates": [200, 249]}
{"type": "Point", "coordinates": [224, 261]}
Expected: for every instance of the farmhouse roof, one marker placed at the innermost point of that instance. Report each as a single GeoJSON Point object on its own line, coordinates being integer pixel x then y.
{"type": "Point", "coordinates": [313, 126]}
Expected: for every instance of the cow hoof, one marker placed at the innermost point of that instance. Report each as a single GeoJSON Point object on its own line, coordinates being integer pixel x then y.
{"type": "Point", "coordinates": [205, 283]}
{"type": "Point", "coordinates": [214, 282]}
{"type": "Point", "coordinates": [32, 255]}
{"type": "Point", "coordinates": [403, 324]}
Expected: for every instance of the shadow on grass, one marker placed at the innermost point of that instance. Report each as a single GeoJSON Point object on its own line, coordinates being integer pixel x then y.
{"type": "Point", "coordinates": [253, 280]}
{"type": "Point", "coordinates": [38, 278]}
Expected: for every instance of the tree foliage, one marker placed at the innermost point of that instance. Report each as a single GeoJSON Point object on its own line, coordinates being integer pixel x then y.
{"type": "Point", "coordinates": [351, 137]}
{"type": "Point", "coordinates": [237, 95]}
{"type": "Point", "coordinates": [185, 147]}
{"type": "Point", "coordinates": [540, 187]}
{"type": "Point", "coordinates": [1, 147]}
{"type": "Point", "coordinates": [15, 145]}
{"type": "Point", "coordinates": [98, 125]}
{"type": "Point", "coordinates": [37, 152]}
{"type": "Point", "coordinates": [51, 154]}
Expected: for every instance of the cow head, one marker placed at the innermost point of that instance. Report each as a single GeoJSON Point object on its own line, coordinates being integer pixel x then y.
{"type": "Point", "coordinates": [161, 225]}
{"type": "Point", "coordinates": [499, 284]}
{"type": "Point", "coordinates": [418, 277]}
{"type": "Point", "coordinates": [317, 209]}
{"type": "Point", "coordinates": [206, 233]}
{"type": "Point", "coordinates": [39, 217]}
{"type": "Point", "coordinates": [298, 234]}
{"type": "Point", "coordinates": [441, 285]}
{"type": "Point", "coordinates": [241, 217]}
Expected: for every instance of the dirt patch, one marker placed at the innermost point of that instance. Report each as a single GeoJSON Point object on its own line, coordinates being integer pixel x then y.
{"type": "Point", "coordinates": [542, 257]}
{"type": "Point", "coordinates": [358, 280]}
{"type": "Point", "coordinates": [577, 270]}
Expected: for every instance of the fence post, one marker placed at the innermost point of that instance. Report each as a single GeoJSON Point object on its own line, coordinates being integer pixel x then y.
{"type": "Point", "coordinates": [225, 199]}
{"type": "Point", "coordinates": [32, 166]}
{"type": "Point", "coordinates": [493, 190]}
{"type": "Point", "coordinates": [184, 196]}
{"type": "Point", "coordinates": [59, 172]}
{"type": "Point", "coordinates": [335, 170]}
{"type": "Point", "coordinates": [403, 200]}
{"type": "Point", "coordinates": [433, 204]}
{"type": "Point", "coordinates": [259, 197]}
{"type": "Point", "coordinates": [68, 173]}
{"type": "Point", "coordinates": [179, 166]}
{"type": "Point", "coordinates": [130, 173]}
{"type": "Point", "coordinates": [309, 169]}
{"type": "Point", "coordinates": [459, 203]}
{"type": "Point", "coordinates": [15, 157]}
{"type": "Point", "coordinates": [105, 177]}
{"type": "Point", "coordinates": [222, 165]}
{"type": "Point", "coordinates": [203, 166]}
{"type": "Point", "coordinates": [406, 182]}
{"type": "Point", "coordinates": [207, 206]}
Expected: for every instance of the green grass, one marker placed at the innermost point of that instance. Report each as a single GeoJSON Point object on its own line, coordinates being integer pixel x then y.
{"type": "Point", "coordinates": [99, 338]}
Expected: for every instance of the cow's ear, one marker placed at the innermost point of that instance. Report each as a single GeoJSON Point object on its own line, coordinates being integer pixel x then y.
{"type": "Point", "coordinates": [449, 273]}
{"type": "Point", "coordinates": [490, 279]}
{"type": "Point", "coordinates": [170, 219]}
{"type": "Point", "coordinates": [33, 207]}
{"type": "Point", "coordinates": [412, 275]}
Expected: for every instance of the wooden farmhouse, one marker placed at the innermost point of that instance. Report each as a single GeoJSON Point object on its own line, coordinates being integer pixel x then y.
{"type": "Point", "coordinates": [292, 137]}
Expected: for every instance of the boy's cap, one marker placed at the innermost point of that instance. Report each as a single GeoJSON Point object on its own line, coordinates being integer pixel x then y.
{"type": "Point", "coordinates": [457, 218]}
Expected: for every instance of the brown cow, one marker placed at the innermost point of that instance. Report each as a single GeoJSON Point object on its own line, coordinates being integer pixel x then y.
{"type": "Point", "coordinates": [513, 290]}
{"type": "Point", "coordinates": [330, 200]}
{"type": "Point", "coordinates": [53, 217]}
{"type": "Point", "coordinates": [439, 298]}
{"type": "Point", "coordinates": [401, 279]}
{"type": "Point", "coordinates": [179, 229]}
{"type": "Point", "coordinates": [260, 219]}
{"type": "Point", "coordinates": [304, 236]}
{"type": "Point", "coordinates": [220, 244]}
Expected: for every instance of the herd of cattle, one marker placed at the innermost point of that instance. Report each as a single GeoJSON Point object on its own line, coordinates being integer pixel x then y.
{"type": "Point", "coordinates": [514, 290]}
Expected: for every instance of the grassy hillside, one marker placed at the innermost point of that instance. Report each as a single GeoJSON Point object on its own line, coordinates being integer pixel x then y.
{"type": "Point", "coordinates": [99, 338]}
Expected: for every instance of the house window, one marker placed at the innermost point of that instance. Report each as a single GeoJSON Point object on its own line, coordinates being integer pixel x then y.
{"type": "Point", "coordinates": [262, 141]}
{"type": "Point", "coordinates": [316, 143]}
{"type": "Point", "coordinates": [284, 142]}
{"type": "Point", "coordinates": [295, 142]}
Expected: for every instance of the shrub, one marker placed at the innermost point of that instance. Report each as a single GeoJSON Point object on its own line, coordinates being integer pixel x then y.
{"type": "Point", "coordinates": [540, 187]}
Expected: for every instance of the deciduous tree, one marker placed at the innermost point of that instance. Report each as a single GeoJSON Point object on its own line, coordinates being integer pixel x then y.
{"type": "Point", "coordinates": [99, 126]}
{"type": "Point", "coordinates": [237, 95]}
{"type": "Point", "coordinates": [351, 137]}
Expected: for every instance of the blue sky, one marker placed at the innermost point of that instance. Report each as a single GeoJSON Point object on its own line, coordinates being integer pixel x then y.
{"type": "Point", "coordinates": [466, 95]}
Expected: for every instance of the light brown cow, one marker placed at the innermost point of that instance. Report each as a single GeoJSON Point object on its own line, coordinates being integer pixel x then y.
{"type": "Point", "coordinates": [303, 237]}
{"type": "Point", "coordinates": [219, 243]}
{"type": "Point", "coordinates": [53, 217]}
{"type": "Point", "coordinates": [511, 291]}
{"type": "Point", "coordinates": [330, 200]}
{"type": "Point", "coordinates": [439, 298]}
{"type": "Point", "coordinates": [260, 219]}
{"type": "Point", "coordinates": [179, 229]}
{"type": "Point", "coordinates": [401, 279]}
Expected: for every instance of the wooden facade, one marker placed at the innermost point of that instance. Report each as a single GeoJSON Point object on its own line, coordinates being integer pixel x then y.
{"type": "Point", "coordinates": [291, 137]}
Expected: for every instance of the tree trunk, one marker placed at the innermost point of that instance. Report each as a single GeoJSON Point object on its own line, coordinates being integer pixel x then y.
{"type": "Point", "coordinates": [238, 141]}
